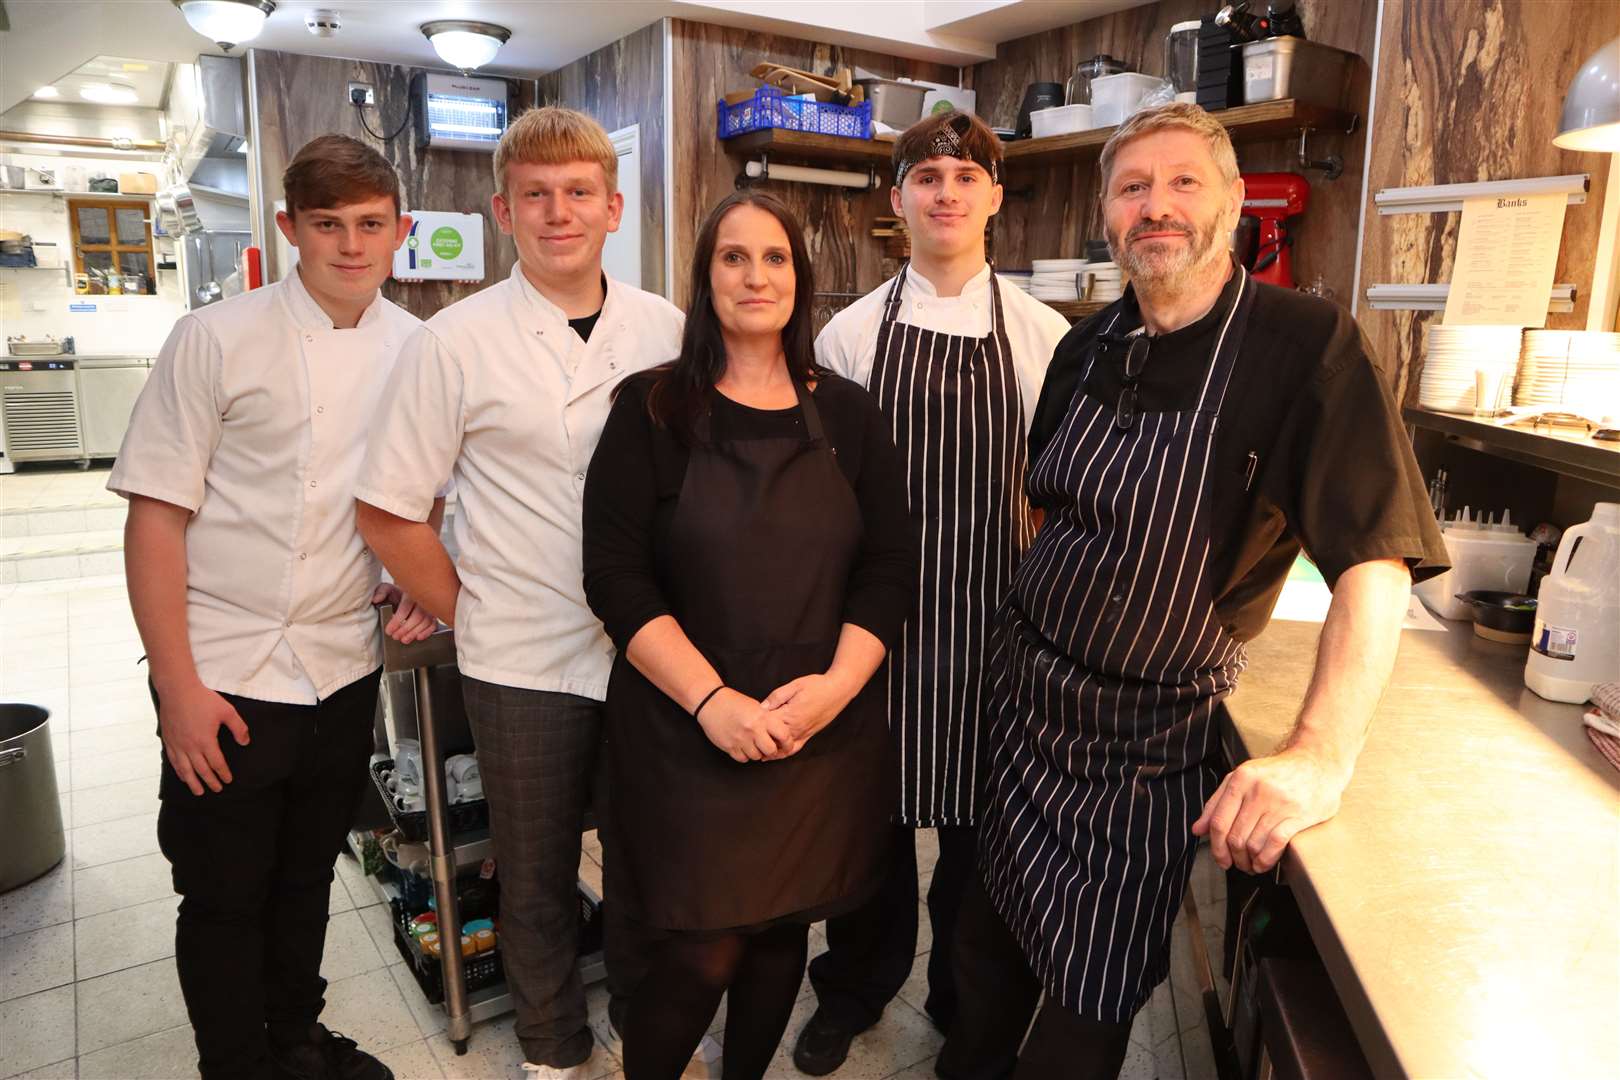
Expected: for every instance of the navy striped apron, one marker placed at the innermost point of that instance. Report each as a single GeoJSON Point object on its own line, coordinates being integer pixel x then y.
{"type": "Point", "coordinates": [1109, 663]}
{"type": "Point", "coordinates": [958, 420]}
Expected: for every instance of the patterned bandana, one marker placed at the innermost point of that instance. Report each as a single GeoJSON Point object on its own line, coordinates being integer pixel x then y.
{"type": "Point", "coordinates": [947, 142]}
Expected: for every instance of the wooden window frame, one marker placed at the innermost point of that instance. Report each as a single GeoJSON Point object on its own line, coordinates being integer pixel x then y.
{"type": "Point", "coordinates": [116, 245]}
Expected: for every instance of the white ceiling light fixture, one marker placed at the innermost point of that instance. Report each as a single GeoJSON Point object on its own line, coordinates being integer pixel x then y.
{"type": "Point", "coordinates": [109, 93]}
{"type": "Point", "coordinates": [227, 23]}
{"type": "Point", "coordinates": [47, 92]}
{"type": "Point", "coordinates": [466, 45]}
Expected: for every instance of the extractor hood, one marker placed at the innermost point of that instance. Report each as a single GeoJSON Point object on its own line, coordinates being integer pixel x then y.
{"type": "Point", "coordinates": [208, 186]}
{"type": "Point", "coordinates": [206, 114]}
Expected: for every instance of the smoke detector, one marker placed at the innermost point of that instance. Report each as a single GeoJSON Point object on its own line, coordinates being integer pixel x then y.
{"type": "Point", "coordinates": [323, 23]}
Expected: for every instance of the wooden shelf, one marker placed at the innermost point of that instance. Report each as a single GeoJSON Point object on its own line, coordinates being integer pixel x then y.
{"type": "Point", "coordinates": [1247, 123]}
{"type": "Point", "coordinates": [809, 146]}
{"type": "Point", "coordinates": [1075, 310]}
{"type": "Point", "coordinates": [1559, 450]}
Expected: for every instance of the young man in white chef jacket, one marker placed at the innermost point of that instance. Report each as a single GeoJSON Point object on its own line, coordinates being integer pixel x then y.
{"type": "Point", "coordinates": [253, 593]}
{"type": "Point", "coordinates": [956, 359]}
{"type": "Point", "coordinates": [509, 390]}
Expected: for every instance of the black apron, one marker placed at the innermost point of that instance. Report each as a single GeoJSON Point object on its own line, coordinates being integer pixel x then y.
{"type": "Point", "coordinates": [1110, 662]}
{"type": "Point", "coordinates": [958, 421]}
{"type": "Point", "coordinates": [755, 569]}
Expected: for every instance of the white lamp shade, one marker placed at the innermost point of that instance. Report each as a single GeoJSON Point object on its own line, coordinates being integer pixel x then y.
{"type": "Point", "coordinates": [227, 22]}
{"type": "Point", "coordinates": [1591, 117]}
{"type": "Point", "coordinates": [465, 49]}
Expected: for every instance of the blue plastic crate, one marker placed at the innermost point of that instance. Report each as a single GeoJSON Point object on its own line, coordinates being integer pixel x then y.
{"type": "Point", "coordinates": [770, 108]}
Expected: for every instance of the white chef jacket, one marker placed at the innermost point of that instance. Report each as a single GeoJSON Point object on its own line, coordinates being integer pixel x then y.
{"type": "Point", "coordinates": [501, 390]}
{"type": "Point", "coordinates": [848, 343]}
{"type": "Point", "coordinates": [255, 419]}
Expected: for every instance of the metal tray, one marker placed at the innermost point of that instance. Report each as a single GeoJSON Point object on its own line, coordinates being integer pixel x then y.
{"type": "Point", "coordinates": [34, 348]}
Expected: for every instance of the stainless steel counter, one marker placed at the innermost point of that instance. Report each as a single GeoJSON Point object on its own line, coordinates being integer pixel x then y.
{"type": "Point", "coordinates": [1466, 898]}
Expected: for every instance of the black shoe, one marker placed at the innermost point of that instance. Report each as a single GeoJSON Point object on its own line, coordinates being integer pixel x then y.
{"type": "Point", "coordinates": [324, 1055]}
{"type": "Point", "coordinates": [822, 1046]}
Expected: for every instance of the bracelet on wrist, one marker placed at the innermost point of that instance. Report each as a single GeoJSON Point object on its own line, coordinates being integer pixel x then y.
{"type": "Point", "coordinates": [706, 699]}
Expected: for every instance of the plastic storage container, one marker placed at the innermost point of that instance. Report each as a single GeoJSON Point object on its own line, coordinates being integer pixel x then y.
{"type": "Point", "coordinates": [1115, 97]}
{"type": "Point", "coordinates": [1062, 120]}
{"type": "Point", "coordinates": [770, 108]}
{"type": "Point", "coordinates": [29, 806]}
{"type": "Point", "coordinates": [1291, 67]}
{"type": "Point", "coordinates": [895, 103]}
{"type": "Point", "coordinates": [1483, 556]}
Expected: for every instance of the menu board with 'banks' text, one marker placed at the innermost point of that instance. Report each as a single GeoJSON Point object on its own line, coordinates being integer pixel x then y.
{"type": "Point", "coordinates": [1507, 250]}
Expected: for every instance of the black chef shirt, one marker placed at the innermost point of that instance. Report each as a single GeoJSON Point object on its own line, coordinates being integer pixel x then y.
{"type": "Point", "coordinates": [1333, 469]}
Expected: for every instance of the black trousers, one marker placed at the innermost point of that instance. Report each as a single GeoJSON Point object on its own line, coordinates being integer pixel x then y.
{"type": "Point", "coordinates": [253, 867]}
{"type": "Point", "coordinates": [870, 950]}
{"type": "Point", "coordinates": [538, 754]}
{"type": "Point", "coordinates": [997, 995]}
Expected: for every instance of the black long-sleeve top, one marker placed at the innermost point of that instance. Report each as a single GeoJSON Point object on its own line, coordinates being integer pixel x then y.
{"type": "Point", "coordinates": [635, 481]}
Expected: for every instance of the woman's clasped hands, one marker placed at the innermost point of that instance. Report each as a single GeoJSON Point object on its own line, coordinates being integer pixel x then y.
{"type": "Point", "coordinates": [779, 726]}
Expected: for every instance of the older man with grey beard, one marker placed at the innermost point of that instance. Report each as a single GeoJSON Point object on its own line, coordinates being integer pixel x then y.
{"type": "Point", "coordinates": [1190, 440]}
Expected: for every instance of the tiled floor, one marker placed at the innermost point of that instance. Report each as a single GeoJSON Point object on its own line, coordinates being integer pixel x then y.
{"type": "Point", "coordinates": [87, 977]}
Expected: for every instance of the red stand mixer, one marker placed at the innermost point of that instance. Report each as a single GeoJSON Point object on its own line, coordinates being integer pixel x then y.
{"type": "Point", "coordinates": [1270, 199]}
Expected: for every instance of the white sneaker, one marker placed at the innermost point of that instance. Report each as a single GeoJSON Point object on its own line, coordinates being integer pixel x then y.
{"type": "Point", "coordinates": [708, 1051]}
{"type": "Point", "coordinates": [530, 1071]}
{"type": "Point", "coordinates": [705, 1063]}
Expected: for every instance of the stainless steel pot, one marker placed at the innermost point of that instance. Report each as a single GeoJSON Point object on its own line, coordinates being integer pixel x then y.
{"type": "Point", "coordinates": [28, 800]}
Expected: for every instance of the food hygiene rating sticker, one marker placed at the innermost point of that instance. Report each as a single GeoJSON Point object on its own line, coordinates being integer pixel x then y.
{"type": "Point", "coordinates": [442, 247]}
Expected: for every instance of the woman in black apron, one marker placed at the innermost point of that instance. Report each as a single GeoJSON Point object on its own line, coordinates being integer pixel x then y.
{"type": "Point", "coordinates": [746, 547]}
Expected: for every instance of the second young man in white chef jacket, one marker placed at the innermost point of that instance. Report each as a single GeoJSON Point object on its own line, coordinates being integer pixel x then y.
{"type": "Point", "coordinates": [508, 390]}
{"type": "Point", "coordinates": [956, 360]}
{"type": "Point", "coordinates": [253, 593]}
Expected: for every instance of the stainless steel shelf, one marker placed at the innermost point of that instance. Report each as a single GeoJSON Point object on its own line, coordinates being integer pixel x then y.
{"type": "Point", "coordinates": [108, 196]}
{"type": "Point", "coordinates": [1554, 449]}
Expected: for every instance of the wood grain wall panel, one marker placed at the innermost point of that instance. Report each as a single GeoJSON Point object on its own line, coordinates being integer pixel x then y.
{"type": "Point", "coordinates": [1471, 90]}
{"type": "Point", "coordinates": [300, 97]}
{"type": "Point", "coordinates": [708, 61]}
{"type": "Point", "coordinates": [623, 84]}
{"type": "Point", "coordinates": [1057, 207]}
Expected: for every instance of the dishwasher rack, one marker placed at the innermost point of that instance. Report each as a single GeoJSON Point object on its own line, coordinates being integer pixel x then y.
{"type": "Point", "coordinates": [448, 852]}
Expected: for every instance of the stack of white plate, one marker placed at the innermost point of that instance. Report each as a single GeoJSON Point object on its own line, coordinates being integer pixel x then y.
{"type": "Point", "coordinates": [1576, 371]}
{"type": "Point", "coordinates": [1454, 353]}
{"type": "Point", "coordinates": [1065, 280]}
{"type": "Point", "coordinates": [1110, 283]}
{"type": "Point", "coordinates": [1057, 279]}
{"type": "Point", "coordinates": [1016, 278]}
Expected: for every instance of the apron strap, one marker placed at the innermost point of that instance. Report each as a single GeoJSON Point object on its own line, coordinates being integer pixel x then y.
{"type": "Point", "coordinates": [1227, 346]}
{"type": "Point", "coordinates": [812, 415]}
{"type": "Point", "coordinates": [897, 287]}
{"type": "Point", "coordinates": [1092, 359]}
{"type": "Point", "coordinates": [998, 319]}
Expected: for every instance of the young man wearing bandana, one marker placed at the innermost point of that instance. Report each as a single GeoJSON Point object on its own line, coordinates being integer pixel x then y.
{"type": "Point", "coordinates": [956, 361]}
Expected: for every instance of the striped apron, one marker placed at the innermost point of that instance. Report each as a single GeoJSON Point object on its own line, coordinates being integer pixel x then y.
{"type": "Point", "coordinates": [958, 420]}
{"type": "Point", "coordinates": [1108, 665]}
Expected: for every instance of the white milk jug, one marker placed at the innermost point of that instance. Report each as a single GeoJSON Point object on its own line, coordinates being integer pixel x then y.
{"type": "Point", "coordinates": [1577, 636]}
